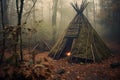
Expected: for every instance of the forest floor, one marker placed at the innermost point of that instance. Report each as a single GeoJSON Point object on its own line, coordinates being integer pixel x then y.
{"type": "Point", "coordinates": [46, 68]}
{"type": "Point", "coordinates": [62, 70]}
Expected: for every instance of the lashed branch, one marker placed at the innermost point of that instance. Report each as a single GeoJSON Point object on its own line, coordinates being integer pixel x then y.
{"type": "Point", "coordinates": [74, 7]}
{"type": "Point", "coordinates": [82, 6]}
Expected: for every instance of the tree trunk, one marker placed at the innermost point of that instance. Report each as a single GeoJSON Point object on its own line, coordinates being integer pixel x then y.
{"type": "Point", "coordinates": [94, 14]}
{"type": "Point", "coordinates": [61, 12]}
{"type": "Point", "coordinates": [5, 11]}
{"type": "Point", "coordinates": [19, 32]}
{"type": "Point", "coordinates": [3, 26]}
{"type": "Point", "coordinates": [34, 17]}
{"type": "Point", "coordinates": [41, 9]}
{"type": "Point", "coordinates": [54, 16]}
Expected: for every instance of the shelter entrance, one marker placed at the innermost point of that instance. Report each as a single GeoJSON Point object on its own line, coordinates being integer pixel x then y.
{"type": "Point", "coordinates": [67, 47]}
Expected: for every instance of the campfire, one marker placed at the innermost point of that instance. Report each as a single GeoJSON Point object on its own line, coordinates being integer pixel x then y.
{"type": "Point", "coordinates": [68, 54]}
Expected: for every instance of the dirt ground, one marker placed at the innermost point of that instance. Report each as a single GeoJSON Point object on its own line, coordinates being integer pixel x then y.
{"type": "Point", "coordinates": [72, 71]}
{"type": "Point", "coordinates": [46, 68]}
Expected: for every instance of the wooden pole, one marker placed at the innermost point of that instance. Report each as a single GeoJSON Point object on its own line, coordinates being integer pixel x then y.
{"type": "Point", "coordinates": [92, 53]}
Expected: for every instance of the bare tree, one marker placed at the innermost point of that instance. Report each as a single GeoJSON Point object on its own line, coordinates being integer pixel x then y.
{"type": "Point", "coordinates": [54, 16]}
{"type": "Point", "coordinates": [34, 18]}
{"type": "Point", "coordinates": [4, 21]}
{"type": "Point", "coordinates": [19, 32]}
{"type": "Point", "coordinates": [61, 11]}
{"type": "Point", "coordinates": [94, 13]}
{"type": "Point", "coordinates": [3, 26]}
{"type": "Point", "coordinates": [41, 1]}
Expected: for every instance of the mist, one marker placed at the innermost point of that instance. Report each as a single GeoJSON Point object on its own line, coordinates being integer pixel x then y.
{"type": "Point", "coordinates": [59, 39]}
{"type": "Point", "coordinates": [38, 14]}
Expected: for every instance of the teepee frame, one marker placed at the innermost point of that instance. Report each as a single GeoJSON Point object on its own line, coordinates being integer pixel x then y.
{"type": "Point", "coordinates": [80, 39]}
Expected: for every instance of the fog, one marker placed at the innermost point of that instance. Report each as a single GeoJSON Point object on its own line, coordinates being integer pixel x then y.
{"type": "Point", "coordinates": [37, 15]}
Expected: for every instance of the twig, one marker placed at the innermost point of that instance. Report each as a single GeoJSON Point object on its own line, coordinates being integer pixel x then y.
{"type": "Point", "coordinates": [46, 44]}
{"type": "Point", "coordinates": [35, 47]}
{"type": "Point", "coordinates": [30, 11]}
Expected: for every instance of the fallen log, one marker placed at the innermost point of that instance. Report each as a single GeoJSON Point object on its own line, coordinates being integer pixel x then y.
{"type": "Point", "coordinates": [115, 65]}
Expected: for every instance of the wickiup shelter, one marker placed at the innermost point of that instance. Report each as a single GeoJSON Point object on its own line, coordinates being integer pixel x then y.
{"type": "Point", "coordinates": [80, 39]}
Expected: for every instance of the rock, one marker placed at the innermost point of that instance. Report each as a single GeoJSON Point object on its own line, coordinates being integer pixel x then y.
{"type": "Point", "coordinates": [52, 76]}
{"type": "Point", "coordinates": [68, 72]}
{"type": "Point", "coordinates": [78, 77]}
{"type": "Point", "coordinates": [60, 71]}
{"type": "Point", "coordinates": [115, 65]}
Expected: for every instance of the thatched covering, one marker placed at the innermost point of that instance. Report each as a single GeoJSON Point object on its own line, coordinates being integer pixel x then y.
{"type": "Point", "coordinates": [80, 39]}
